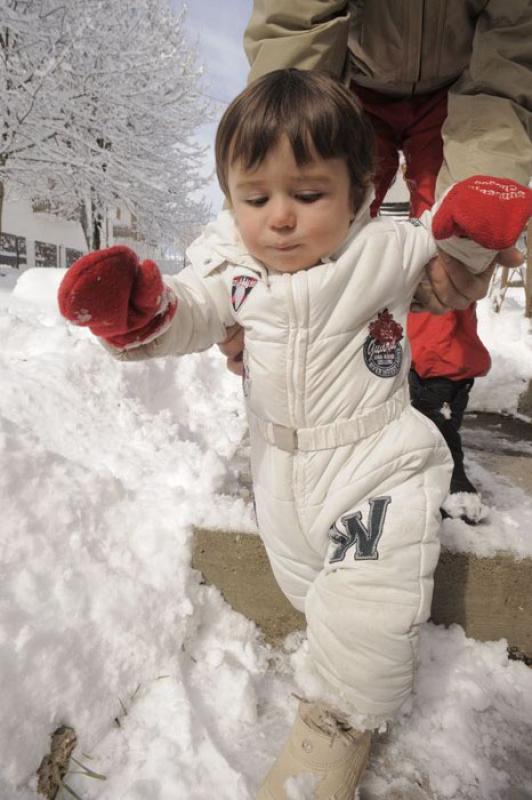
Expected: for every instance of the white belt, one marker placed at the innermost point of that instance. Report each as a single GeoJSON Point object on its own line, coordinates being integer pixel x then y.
{"type": "Point", "coordinates": [335, 434]}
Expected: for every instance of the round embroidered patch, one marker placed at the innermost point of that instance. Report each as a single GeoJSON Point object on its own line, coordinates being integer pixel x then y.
{"type": "Point", "coordinates": [382, 350]}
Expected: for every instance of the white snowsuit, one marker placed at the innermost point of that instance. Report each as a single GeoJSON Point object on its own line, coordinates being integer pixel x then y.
{"type": "Point", "coordinates": [348, 477]}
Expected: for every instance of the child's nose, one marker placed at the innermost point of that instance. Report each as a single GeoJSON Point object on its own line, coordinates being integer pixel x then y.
{"type": "Point", "coordinates": [282, 214]}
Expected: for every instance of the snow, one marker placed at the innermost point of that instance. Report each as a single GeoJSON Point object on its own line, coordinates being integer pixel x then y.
{"type": "Point", "coordinates": [104, 625]}
{"type": "Point", "coordinates": [508, 337]}
{"type": "Point", "coordinates": [466, 505]}
{"type": "Point", "coordinates": [301, 787]}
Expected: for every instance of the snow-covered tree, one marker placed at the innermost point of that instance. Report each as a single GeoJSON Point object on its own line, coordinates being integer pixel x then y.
{"type": "Point", "coordinates": [100, 101]}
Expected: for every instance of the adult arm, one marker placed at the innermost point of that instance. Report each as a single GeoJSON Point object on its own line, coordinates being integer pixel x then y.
{"type": "Point", "coordinates": [307, 34]}
{"type": "Point", "coordinates": [488, 130]}
{"type": "Point", "coordinates": [232, 347]}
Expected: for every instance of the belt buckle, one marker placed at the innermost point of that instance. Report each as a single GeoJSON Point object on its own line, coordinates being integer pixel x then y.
{"type": "Point", "coordinates": [284, 438]}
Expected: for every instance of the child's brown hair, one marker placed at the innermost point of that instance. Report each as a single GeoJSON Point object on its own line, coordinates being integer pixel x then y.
{"type": "Point", "coordinates": [315, 112]}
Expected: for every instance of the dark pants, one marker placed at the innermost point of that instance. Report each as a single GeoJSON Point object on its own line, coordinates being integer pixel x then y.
{"type": "Point", "coordinates": [444, 402]}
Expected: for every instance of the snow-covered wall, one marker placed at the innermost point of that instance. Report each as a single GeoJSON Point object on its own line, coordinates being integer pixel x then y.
{"type": "Point", "coordinates": [19, 219]}
{"type": "Point", "coordinates": [50, 241]}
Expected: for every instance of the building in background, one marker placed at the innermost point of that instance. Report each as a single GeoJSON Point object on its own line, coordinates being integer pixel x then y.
{"type": "Point", "coordinates": [32, 236]}
{"type": "Point", "coordinates": [121, 228]}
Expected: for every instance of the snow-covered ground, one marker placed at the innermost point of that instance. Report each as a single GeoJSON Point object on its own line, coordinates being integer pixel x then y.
{"type": "Point", "coordinates": [106, 468]}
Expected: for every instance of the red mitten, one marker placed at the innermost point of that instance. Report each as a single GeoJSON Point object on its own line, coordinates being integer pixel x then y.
{"type": "Point", "coordinates": [119, 298]}
{"type": "Point", "coordinates": [491, 211]}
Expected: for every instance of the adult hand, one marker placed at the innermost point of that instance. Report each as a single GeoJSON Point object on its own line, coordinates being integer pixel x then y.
{"type": "Point", "coordinates": [232, 348]}
{"type": "Point", "coordinates": [448, 284]}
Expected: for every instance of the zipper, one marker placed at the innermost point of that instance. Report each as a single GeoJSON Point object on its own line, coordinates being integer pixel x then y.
{"type": "Point", "coordinates": [297, 357]}
{"type": "Point", "coordinates": [298, 346]}
{"type": "Point", "coordinates": [291, 348]}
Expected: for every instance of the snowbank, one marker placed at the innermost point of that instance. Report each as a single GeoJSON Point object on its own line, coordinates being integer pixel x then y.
{"type": "Point", "coordinates": [508, 337]}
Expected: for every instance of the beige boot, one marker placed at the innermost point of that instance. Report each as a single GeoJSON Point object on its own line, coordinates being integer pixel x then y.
{"type": "Point", "coordinates": [319, 747]}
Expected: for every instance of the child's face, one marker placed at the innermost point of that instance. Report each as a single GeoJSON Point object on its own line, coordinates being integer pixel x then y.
{"type": "Point", "coordinates": [290, 216]}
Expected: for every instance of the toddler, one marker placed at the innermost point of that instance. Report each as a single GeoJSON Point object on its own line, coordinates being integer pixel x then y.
{"type": "Point", "coordinates": [348, 477]}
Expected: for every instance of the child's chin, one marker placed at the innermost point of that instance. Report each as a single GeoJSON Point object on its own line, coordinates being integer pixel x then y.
{"type": "Point", "coordinates": [295, 265]}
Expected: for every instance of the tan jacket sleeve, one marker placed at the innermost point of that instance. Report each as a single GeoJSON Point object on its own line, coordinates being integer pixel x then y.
{"type": "Point", "coordinates": [489, 124]}
{"type": "Point", "coordinates": [308, 34]}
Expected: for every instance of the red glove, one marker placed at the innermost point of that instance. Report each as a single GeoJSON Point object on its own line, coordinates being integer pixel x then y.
{"type": "Point", "coordinates": [120, 299]}
{"type": "Point", "coordinates": [491, 211]}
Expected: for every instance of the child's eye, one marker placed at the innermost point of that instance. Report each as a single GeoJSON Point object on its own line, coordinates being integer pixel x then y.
{"type": "Point", "coordinates": [256, 202]}
{"type": "Point", "coordinates": [309, 197]}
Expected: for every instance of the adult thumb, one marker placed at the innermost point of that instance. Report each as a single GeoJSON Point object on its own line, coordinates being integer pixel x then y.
{"type": "Point", "coordinates": [510, 257]}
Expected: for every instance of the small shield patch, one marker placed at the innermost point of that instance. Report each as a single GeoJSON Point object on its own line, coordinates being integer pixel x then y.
{"type": "Point", "coordinates": [242, 286]}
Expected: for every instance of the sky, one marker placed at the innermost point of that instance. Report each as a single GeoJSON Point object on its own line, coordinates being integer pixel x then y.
{"type": "Point", "coordinates": [218, 28]}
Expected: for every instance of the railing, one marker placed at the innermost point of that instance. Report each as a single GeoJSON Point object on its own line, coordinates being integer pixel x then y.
{"type": "Point", "coordinates": [520, 277]}
{"type": "Point", "coordinates": [395, 209]}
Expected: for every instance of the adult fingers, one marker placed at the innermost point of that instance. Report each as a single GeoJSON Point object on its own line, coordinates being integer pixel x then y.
{"type": "Point", "coordinates": [511, 257]}
{"type": "Point", "coordinates": [232, 348]}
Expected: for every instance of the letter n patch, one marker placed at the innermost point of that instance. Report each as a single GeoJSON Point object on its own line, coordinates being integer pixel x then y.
{"type": "Point", "coordinates": [355, 534]}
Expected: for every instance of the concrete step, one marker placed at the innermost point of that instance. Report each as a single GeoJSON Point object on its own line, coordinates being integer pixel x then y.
{"type": "Point", "coordinates": [238, 566]}
{"type": "Point", "coordinates": [491, 598]}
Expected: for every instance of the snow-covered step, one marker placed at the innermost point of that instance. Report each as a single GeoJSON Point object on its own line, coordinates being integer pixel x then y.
{"type": "Point", "coordinates": [489, 597]}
